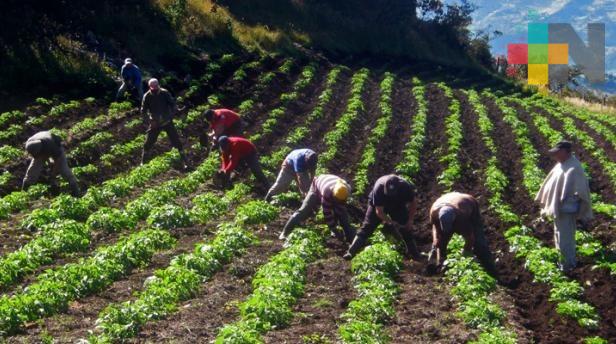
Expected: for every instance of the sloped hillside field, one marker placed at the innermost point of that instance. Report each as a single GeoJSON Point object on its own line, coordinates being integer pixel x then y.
{"type": "Point", "coordinates": [152, 254]}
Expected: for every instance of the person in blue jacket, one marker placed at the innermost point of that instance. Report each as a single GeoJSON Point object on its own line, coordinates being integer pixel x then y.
{"type": "Point", "coordinates": [300, 165]}
{"type": "Point", "coordinates": [131, 77]}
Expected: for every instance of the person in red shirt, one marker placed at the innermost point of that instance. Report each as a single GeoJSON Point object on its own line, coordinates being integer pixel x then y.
{"type": "Point", "coordinates": [222, 122]}
{"type": "Point", "coordinates": [236, 151]}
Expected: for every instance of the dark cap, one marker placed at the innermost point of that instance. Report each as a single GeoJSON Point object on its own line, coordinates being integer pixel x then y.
{"type": "Point", "coordinates": [392, 184]}
{"type": "Point", "coordinates": [223, 141]}
{"type": "Point", "coordinates": [566, 145]}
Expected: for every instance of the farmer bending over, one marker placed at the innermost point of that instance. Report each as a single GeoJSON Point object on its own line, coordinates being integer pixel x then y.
{"type": "Point", "coordinates": [299, 164]}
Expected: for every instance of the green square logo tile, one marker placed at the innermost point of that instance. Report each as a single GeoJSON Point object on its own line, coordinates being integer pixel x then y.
{"type": "Point", "coordinates": [538, 33]}
{"type": "Point", "coordinates": [538, 53]}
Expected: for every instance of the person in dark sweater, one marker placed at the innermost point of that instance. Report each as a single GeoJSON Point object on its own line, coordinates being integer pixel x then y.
{"type": "Point", "coordinates": [158, 108]}
{"type": "Point", "coordinates": [46, 147]}
{"type": "Point", "coordinates": [392, 202]}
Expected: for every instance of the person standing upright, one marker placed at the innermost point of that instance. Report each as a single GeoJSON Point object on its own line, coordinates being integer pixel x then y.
{"type": "Point", "coordinates": [565, 197]}
{"type": "Point", "coordinates": [158, 108]}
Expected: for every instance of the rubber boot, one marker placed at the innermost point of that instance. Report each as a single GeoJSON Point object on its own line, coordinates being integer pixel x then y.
{"type": "Point", "coordinates": [288, 227]}
{"type": "Point", "coordinates": [75, 190]}
{"type": "Point", "coordinates": [145, 156]}
{"type": "Point", "coordinates": [358, 243]}
{"type": "Point", "coordinates": [349, 235]}
{"type": "Point", "coordinates": [411, 247]}
{"type": "Point", "coordinates": [185, 165]}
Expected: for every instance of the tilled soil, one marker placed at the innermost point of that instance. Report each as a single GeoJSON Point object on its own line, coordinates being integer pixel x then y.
{"type": "Point", "coordinates": [534, 304]}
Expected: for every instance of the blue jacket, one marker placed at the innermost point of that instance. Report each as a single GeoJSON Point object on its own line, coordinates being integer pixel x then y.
{"type": "Point", "coordinates": [131, 73]}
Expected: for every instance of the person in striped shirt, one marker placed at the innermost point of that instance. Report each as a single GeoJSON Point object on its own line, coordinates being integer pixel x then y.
{"type": "Point", "coordinates": [331, 192]}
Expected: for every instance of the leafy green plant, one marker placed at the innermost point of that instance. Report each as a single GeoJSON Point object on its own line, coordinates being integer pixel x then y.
{"type": "Point", "coordinates": [256, 212]}
{"type": "Point", "coordinates": [169, 216]}
{"type": "Point", "coordinates": [376, 135]}
{"type": "Point", "coordinates": [409, 166]}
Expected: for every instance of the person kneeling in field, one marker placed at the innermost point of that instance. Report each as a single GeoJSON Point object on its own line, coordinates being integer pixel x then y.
{"type": "Point", "coordinates": [301, 164]}
{"type": "Point", "coordinates": [392, 202]}
{"type": "Point", "coordinates": [331, 192]}
{"type": "Point", "coordinates": [456, 212]}
{"type": "Point", "coordinates": [236, 151]}
{"type": "Point", "coordinates": [42, 147]}
{"type": "Point", "coordinates": [222, 122]}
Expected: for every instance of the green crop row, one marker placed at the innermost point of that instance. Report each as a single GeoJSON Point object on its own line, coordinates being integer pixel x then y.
{"type": "Point", "coordinates": [56, 288]}
{"type": "Point", "coordinates": [453, 129]}
{"type": "Point", "coordinates": [588, 245]}
{"type": "Point", "coordinates": [355, 105]}
{"type": "Point", "coordinates": [11, 117]}
{"type": "Point", "coordinates": [60, 233]}
{"type": "Point", "coordinates": [410, 165]}
{"type": "Point", "coordinates": [376, 135]}
{"type": "Point", "coordinates": [298, 134]}
{"type": "Point", "coordinates": [541, 261]}
{"type": "Point", "coordinates": [211, 69]}
{"type": "Point", "coordinates": [374, 272]}
{"type": "Point", "coordinates": [262, 84]}
{"type": "Point", "coordinates": [183, 277]}
{"type": "Point", "coordinates": [584, 139]}
{"type": "Point", "coordinates": [472, 286]}
{"type": "Point", "coordinates": [276, 287]}
{"type": "Point", "coordinates": [306, 77]}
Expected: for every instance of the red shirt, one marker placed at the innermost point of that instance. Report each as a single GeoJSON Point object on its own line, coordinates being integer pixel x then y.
{"type": "Point", "coordinates": [239, 148]}
{"type": "Point", "coordinates": [224, 117]}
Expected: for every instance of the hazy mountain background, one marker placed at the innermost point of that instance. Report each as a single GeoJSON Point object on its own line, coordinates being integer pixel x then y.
{"type": "Point", "coordinates": [512, 16]}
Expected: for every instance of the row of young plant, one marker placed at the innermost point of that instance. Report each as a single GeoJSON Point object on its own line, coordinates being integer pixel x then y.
{"type": "Point", "coordinates": [67, 225]}
{"type": "Point", "coordinates": [553, 136]}
{"type": "Point", "coordinates": [56, 288]}
{"type": "Point", "coordinates": [410, 164]}
{"type": "Point", "coordinates": [160, 213]}
{"type": "Point", "coordinates": [375, 268]}
{"type": "Point", "coordinates": [355, 105]}
{"type": "Point", "coordinates": [263, 82]}
{"type": "Point", "coordinates": [212, 70]}
{"type": "Point", "coordinates": [299, 134]}
{"type": "Point", "coordinates": [55, 113]}
{"type": "Point", "coordinates": [472, 286]}
{"type": "Point", "coordinates": [307, 75]}
{"type": "Point", "coordinates": [58, 231]}
{"type": "Point", "coordinates": [183, 277]}
{"type": "Point", "coordinates": [377, 134]}
{"type": "Point", "coordinates": [93, 144]}
{"type": "Point", "coordinates": [581, 137]}
{"type": "Point", "coordinates": [19, 200]}
{"type": "Point", "coordinates": [374, 271]}
{"type": "Point", "coordinates": [277, 286]}
{"type": "Point", "coordinates": [595, 121]}
{"type": "Point", "coordinates": [453, 129]}
{"type": "Point", "coordinates": [588, 246]}
{"type": "Point", "coordinates": [540, 260]}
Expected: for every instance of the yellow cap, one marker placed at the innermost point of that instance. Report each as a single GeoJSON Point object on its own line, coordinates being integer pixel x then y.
{"type": "Point", "coordinates": [341, 190]}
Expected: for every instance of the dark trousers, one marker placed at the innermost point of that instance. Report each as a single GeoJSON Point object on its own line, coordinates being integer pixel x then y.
{"type": "Point", "coordinates": [372, 221]}
{"type": "Point", "coordinates": [252, 161]}
{"type": "Point", "coordinates": [479, 245]}
{"type": "Point", "coordinates": [310, 205]}
{"type": "Point", "coordinates": [152, 136]}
